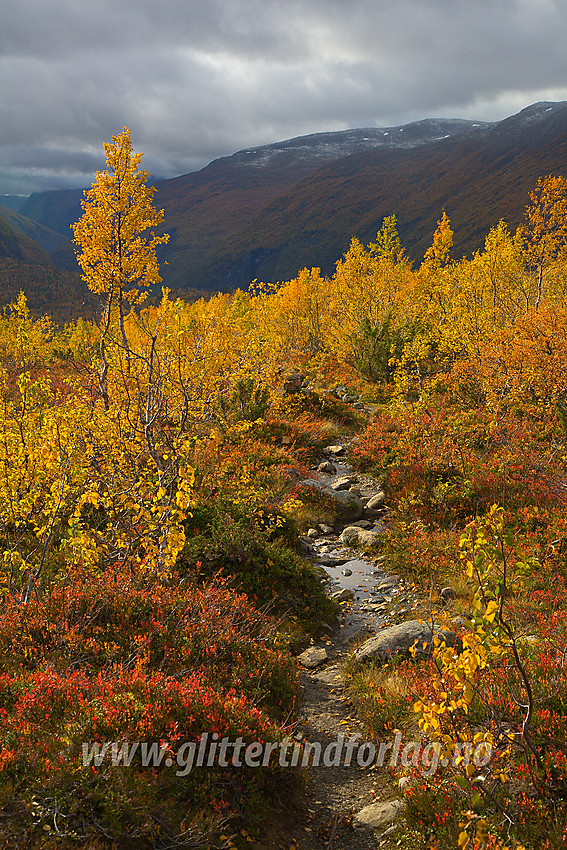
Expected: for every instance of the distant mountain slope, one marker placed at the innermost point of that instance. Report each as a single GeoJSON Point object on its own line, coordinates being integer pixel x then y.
{"type": "Point", "coordinates": [48, 239]}
{"type": "Point", "coordinates": [16, 246]}
{"type": "Point", "coordinates": [25, 266]}
{"type": "Point", "coordinates": [266, 212]}
{"type": "Point", "coordinates": [12, 202]}
{"type": "Point", "coordinates": [204, 210]}
{"type": "Point", "coordinates": [57, 210]}
{"type": "Point", "coordinates": [477, 179]}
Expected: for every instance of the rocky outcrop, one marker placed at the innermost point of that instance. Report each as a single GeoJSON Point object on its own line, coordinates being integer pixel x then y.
{"type": "Point", "coordinates": [292, 383]}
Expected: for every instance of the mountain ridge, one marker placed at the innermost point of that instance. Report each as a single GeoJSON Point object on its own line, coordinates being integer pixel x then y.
{"type": "Point", "coordinates": [268, 211]}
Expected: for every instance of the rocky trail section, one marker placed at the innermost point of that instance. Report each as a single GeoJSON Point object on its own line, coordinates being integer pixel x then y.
{"type": "Point", "coordinates": [377, 598]}
{"type": "Point", "coordinates": [345, 806]}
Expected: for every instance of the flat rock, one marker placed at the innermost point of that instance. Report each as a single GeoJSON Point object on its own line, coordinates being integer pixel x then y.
{"type": "Point", "coordinates": [334, 450]}
{"type": "Point", "coordinates": [376, 501]}
{"type": "Point", "coordinates": [313, 657]}
{"type": "Point", "coordinates": [327, 467]}
{"type": "Point", "coordinates": [330, 675]}
{"type": "Point", "coordinates": [377, 815]}
{"type": "Point", "coordinates": [397, 640]}
{"type": "Point", "coordinates": [329, 561]}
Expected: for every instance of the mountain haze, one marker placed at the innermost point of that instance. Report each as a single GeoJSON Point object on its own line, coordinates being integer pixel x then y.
{"type": "Point", "coordinates": [12, 202]}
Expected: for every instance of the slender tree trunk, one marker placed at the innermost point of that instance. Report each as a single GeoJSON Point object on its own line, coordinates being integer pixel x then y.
{"type": "Point", "coordinates": [103, 376]}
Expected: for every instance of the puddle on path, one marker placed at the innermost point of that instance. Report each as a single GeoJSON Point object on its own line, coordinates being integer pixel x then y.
{"type": "Point", "coordinates": [370, 607]}
{"type": "Point", "coordinates": [363, 579]}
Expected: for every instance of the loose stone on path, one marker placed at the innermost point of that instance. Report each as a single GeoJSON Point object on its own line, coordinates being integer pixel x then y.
{"type": "Point", "coordinates": [334, 450]}
{"type": "Point", "coordinates": [313, 657]}
{"type": "Point", "coordinates": [377, 815]}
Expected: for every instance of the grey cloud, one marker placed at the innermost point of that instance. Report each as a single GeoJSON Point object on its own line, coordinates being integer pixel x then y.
{"type": "Point", "coordinates": [194, 81]}
{"type": "Point", "coordinates": [63, 29]}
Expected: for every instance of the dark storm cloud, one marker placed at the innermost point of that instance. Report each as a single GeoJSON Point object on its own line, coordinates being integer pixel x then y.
{"type": "Point", "coordinates": [194, 81]}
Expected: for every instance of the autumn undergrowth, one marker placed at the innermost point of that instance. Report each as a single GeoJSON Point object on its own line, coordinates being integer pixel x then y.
{"type": "Point", "coordinates": [445, 469]}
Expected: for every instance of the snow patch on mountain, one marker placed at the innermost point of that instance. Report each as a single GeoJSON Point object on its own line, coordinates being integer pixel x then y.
{"type": "Point", "coordinates": [333, 145]}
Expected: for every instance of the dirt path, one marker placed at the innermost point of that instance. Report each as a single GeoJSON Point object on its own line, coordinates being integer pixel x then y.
{"type": "Point", "coordinates": [333, 794]}
{"type": "Point", "coordinates": [320, 815]}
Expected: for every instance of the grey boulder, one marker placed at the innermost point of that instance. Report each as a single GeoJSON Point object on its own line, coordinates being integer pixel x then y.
{"type": "Point", "coordinates": [363, 538]}
{"type": "Point", "coordinates": [350, 504]}
{"type": "Point", "coordinates": [344, 482]}
{"type": "Point", "coordinates": [376, 501]}
{"type": "Point", "coordinates": [328, 467]}
{"type": "Point", "coordinates": [397, 640]}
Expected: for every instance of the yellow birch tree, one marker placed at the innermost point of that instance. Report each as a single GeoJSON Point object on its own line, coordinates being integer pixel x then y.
{"type": "Point", "coordinates": [116, 247]}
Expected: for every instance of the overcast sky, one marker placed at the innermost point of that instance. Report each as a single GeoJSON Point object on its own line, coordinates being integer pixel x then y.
{"type": "Point", "coordinates": [199, 79]}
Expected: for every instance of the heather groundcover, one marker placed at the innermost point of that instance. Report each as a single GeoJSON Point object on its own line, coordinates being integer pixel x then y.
{"type": "Point", "coordinates": [150, 503]}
